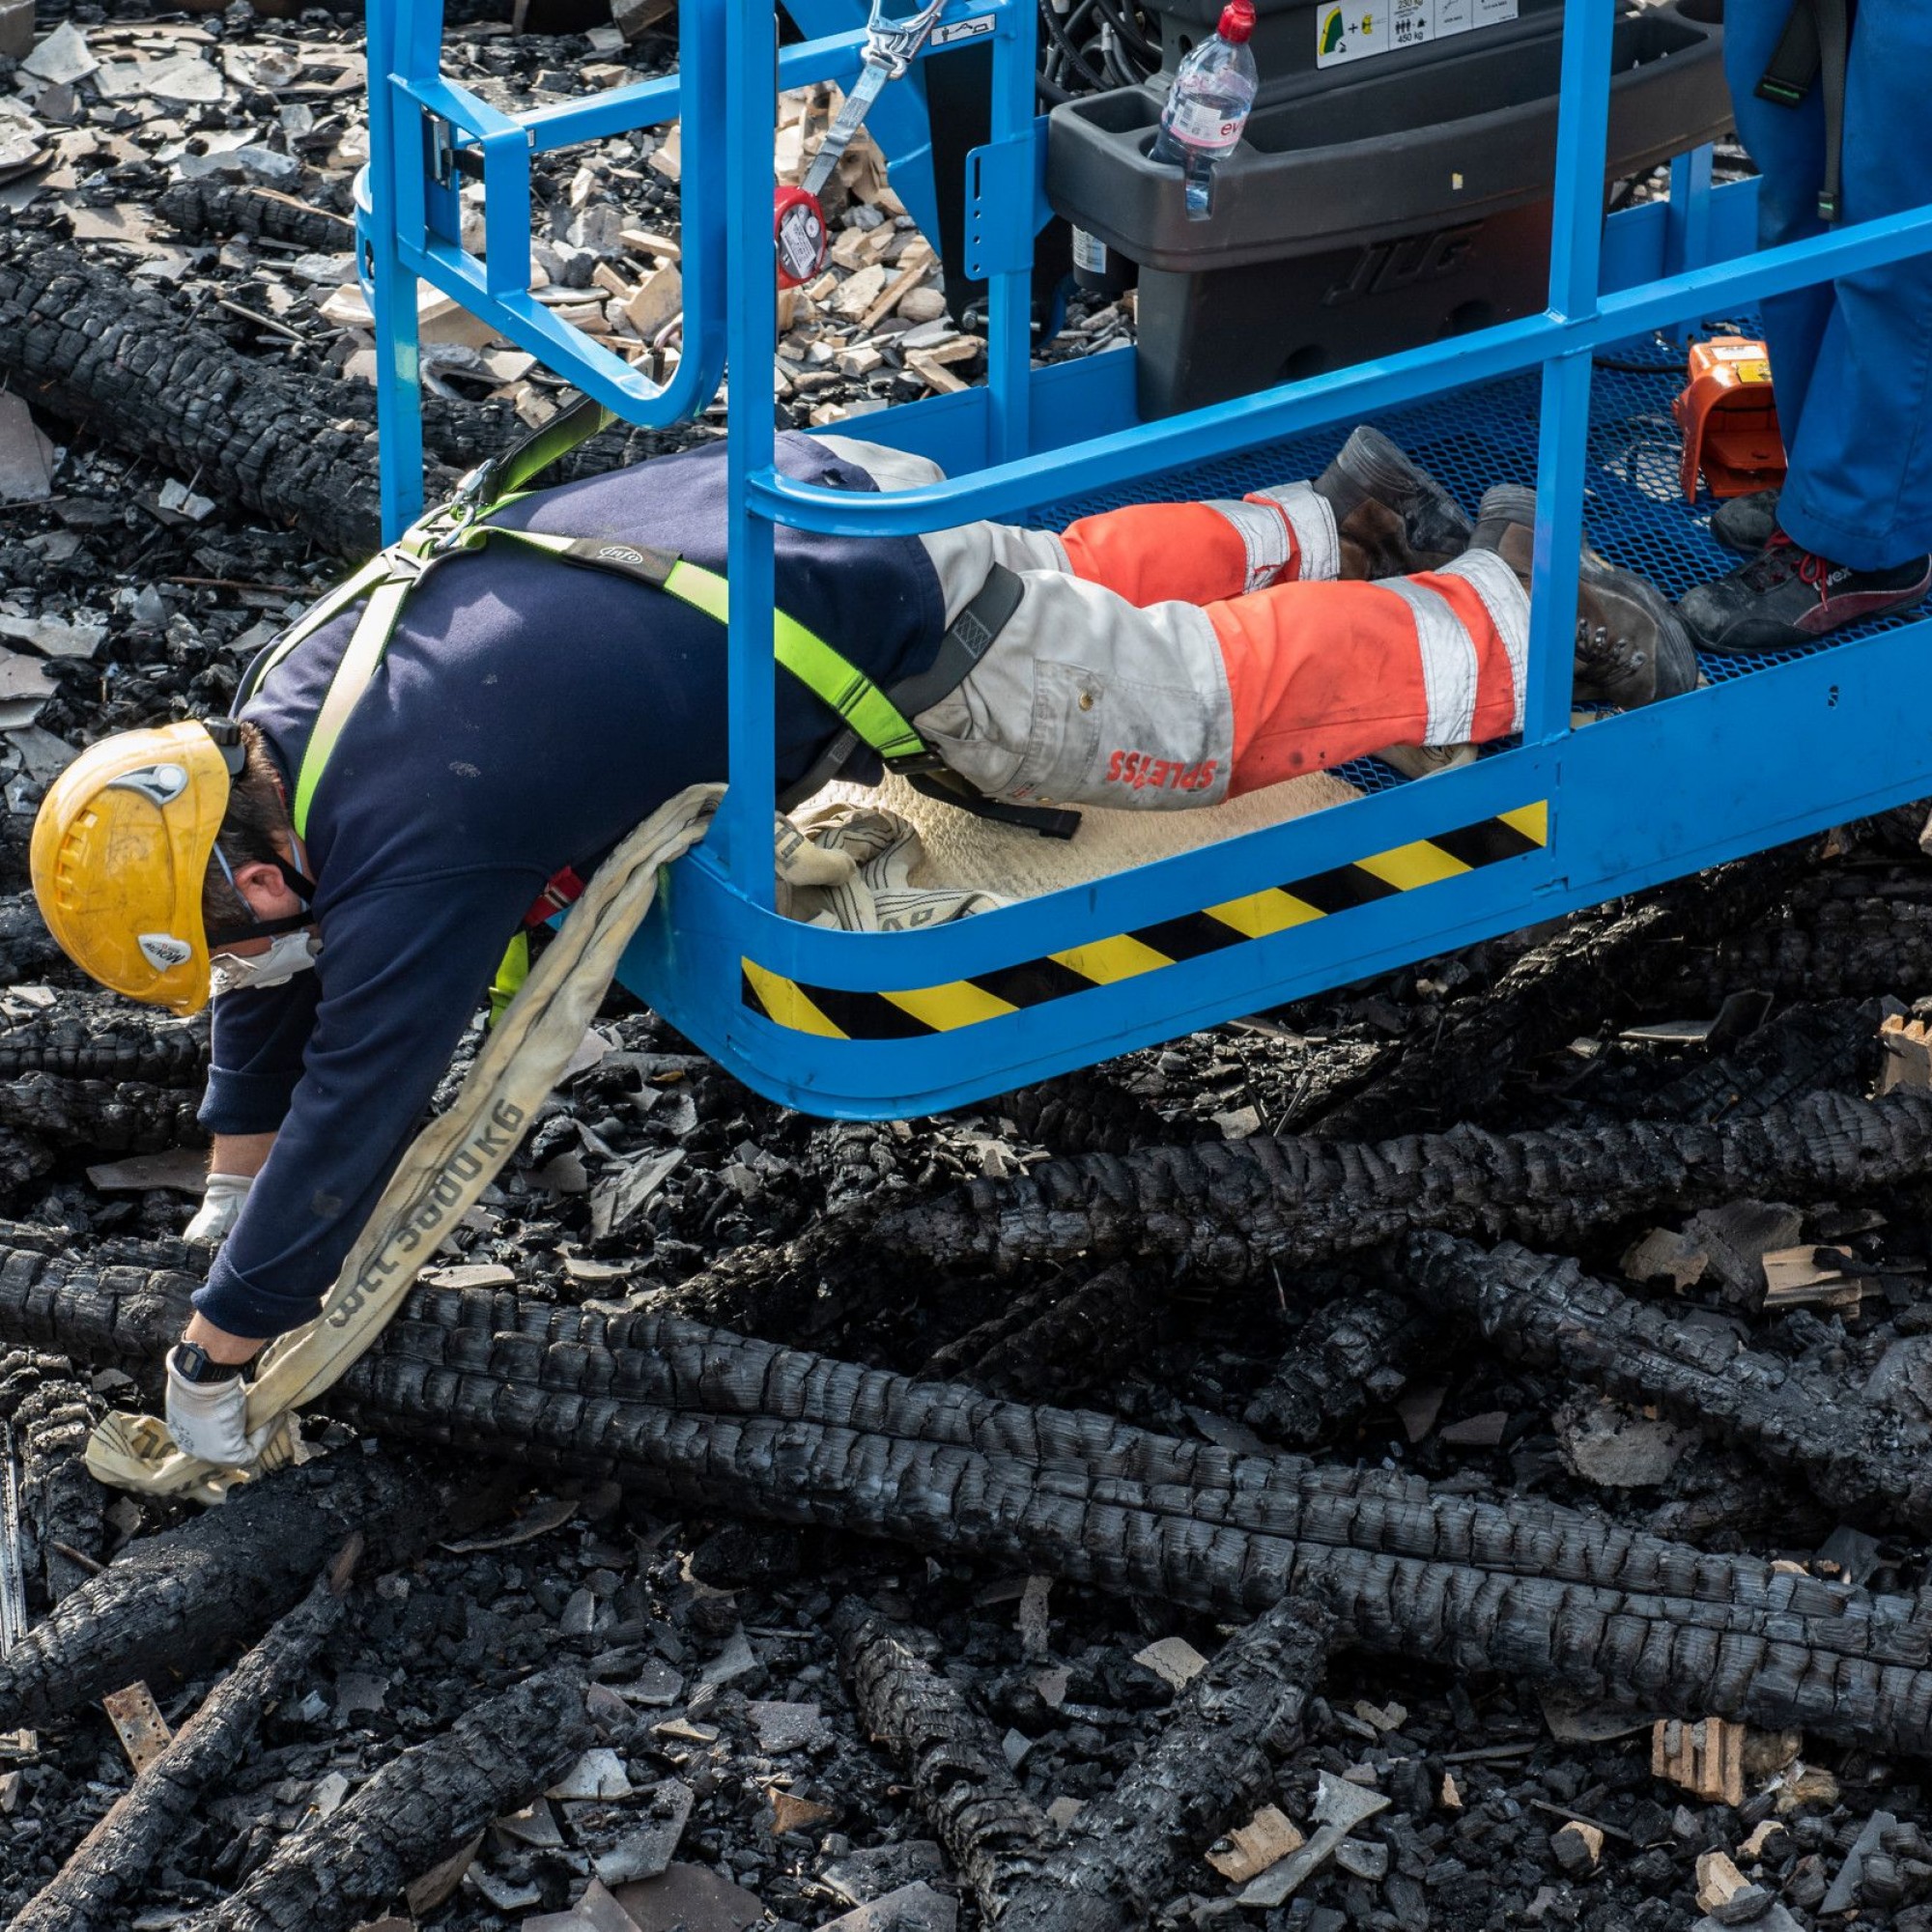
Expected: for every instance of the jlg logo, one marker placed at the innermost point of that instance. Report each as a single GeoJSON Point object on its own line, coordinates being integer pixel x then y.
{"type": "Point", "coordinates": [1141, 769]}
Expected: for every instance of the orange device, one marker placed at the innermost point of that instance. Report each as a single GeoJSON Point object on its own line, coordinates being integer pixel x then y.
{"type": "Point", "coordinates": [1728, 414]}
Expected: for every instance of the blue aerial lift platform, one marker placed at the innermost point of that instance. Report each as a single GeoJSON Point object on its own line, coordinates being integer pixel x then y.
{"type": "Point", "coordinates": [882, 1025]}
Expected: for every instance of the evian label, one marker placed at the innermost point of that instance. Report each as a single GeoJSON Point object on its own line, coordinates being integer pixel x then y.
{"type": "Point", "coordinates": [1202, 125]}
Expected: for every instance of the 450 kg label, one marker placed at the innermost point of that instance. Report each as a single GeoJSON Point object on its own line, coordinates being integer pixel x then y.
{"type": "Point", "coordinates": [1362, 28]}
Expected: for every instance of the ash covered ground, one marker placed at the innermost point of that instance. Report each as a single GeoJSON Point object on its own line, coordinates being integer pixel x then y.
{"type": "Point", "coordinates": [199, 165]}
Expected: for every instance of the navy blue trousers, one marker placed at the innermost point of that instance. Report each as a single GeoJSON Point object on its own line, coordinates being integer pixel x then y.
{"type": "Point", "coordinates": [1852, 359]}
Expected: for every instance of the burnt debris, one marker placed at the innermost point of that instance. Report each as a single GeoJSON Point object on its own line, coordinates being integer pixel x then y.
{"type": "Point", "coordinates": [1443, 1454]}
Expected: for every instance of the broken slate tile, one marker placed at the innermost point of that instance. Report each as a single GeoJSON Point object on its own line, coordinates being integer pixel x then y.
{"type": "Point", "coordinates": [913, 1908]}
{"type": "Point", "coordinates": [1777, 1919]}
{"type": "Point", "coordinates": [621, 1197]}
{"type": "Point", "coordinates": [48, 635]}
{"type": "Point", "coordinates": [186, 78]}
{"type": "Point", "coordinates": [63, 56]}
{"type": "Point", "coordinates": [598, 1774]}
{"type": "Point", "coordinates": [23, 677]}
{"type": "Point", "coordinates": [534, 1825]}
{"type": "Point", "coordinates": [645, 1851]}
{"type": "Point", "coordinates": [360, 1690]}
{"type": "Point", "coordinates": [784, 1727]}
{"type": "Point", "coordinates": [1173, 1661]}
{"type": "Point", "coordinates": [506, 1894]}
{"type": "Point", "coordinates": [181, 1168]}
{"type": "Point", "coordinates": [596, 1910]}
{"type": "Point", "coordinates": [870, 1873]}
{"type": "Point", "coordinates": [422, 1895]}
{"type": "Point", "coordinates": [656, 1684]}
{"type": "Point", "coordinates": [26, 456]}
{"type": "Point", "coordinates": [1475, 1432]}
{"type": "Point", "coordinates": [690, 1897]}
{"type": "Point", "coordinates": [1844, 1891]}
{"type": "Point", "coordinates": [1849, 1553]}
{"type": "Point", "coordinates": [736, 1660]}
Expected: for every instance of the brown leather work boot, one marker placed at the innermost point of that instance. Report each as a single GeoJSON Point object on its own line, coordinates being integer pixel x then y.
{"type": "Point", "coordinates": [1392, 517]}
{"type": "Point", "coordinates": [1631, 646]}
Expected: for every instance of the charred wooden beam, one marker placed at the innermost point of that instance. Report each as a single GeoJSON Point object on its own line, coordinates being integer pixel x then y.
{"type": "Point", "coordinates": [98, 348]}
{"type": "Point", "coordinates": [197, 207]}
{"type": "Point", "coordinates": [1229, 1209]}
{"type": "Point", "coordinates": [23, 1161]}
{"type": "Point", "coordinates": [1081, 1113]}
{"type": "Point", "coordinates": [1805, 1049]}
{"type": "Point", "coordinates": [109, 1870]}
{"type": "Point", "coordinates": [140, 369]}
{"type": "Point", "coordinates": [51, 1413]}
{"type": "Point", "coordinates": [1063, 1344]}
{"type": "Point", "coordinates": [414, 1812]}
{"type": "Point", "coordinates": [113, 1117]}
{"type": "Point", "coordinates": [1357, 1350]}
{"type": "Point", "coordinates": [1866, 1460]}
{"type": "Point", "coordinates": [1601, 962]}
{"type": "Point", "coordinates": [1131, 1850]}
{"type": "Point", "coordinates": [27, 948]}
{"type": "Point", "coordinates": [991, 1830]}
{"type": "Point", "coordinates": [171, 1604]}
{"type": "Point", "coordinates": [717, 1423]}
{"type": "Point", "coordinates": [1841, 949]}
{"type": "Point", "coordinates": [84, 1038]}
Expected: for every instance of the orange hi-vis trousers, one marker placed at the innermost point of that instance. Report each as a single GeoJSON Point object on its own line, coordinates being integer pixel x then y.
{"type": "Point", "coordinates": [1320, 670]}
{"type": "Point", "coordinates": [1176, 654]}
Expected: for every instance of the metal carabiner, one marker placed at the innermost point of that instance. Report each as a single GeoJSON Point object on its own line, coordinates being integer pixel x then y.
{"type": "Point", "coordinates": [895, 45]}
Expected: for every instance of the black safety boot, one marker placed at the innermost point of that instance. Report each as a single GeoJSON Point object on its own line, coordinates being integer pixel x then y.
{"type": "Point", "coordinates": [1393, 518]}
{"type": "Point", "coordinates": [1630, 648]}
{"type": "Point", "coordinates": [1787, 596]}
{"type": "Point", "coordinates": [1746, 523]}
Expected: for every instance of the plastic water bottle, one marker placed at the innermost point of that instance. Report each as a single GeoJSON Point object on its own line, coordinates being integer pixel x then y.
{"type": "Point", "coordinates": [1207, 106]}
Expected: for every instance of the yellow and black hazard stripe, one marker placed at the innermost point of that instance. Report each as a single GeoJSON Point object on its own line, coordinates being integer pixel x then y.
{"type": "Point", "coordinates": [913, 1013]}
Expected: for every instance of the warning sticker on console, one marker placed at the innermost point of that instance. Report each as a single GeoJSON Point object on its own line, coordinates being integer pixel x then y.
{"type": "Point", "coordinates": [1360, 28]}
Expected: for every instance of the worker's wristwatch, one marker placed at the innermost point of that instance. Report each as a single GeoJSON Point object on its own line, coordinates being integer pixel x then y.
{"type": "Point", "coordinates": [194, 1364]}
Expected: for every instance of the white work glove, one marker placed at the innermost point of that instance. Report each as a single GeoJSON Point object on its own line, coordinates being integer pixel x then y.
{"type": "Point", "coordinates": [220, 1206]}
{"type": "Point", "coordinates": [208, 1419]}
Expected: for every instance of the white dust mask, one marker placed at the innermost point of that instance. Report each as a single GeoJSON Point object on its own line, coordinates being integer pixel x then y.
{"type": "Point", "coordinates": [288, 953]}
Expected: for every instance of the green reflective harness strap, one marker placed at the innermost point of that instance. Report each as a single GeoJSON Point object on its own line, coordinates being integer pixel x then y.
{"type": "Point", "coordinates": [331, 606]}
{"type": "Point", "coordinates": [827, 673]}
{"type": "Point", "coordinates": [402, 564]}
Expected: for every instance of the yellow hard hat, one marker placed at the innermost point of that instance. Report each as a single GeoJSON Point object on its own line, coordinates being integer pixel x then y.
{"type": "Point", "coordinates": [120, 849]}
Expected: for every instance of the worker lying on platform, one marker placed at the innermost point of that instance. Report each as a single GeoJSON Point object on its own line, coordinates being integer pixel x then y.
{"type": "Point", "coordinates": [422, 767]}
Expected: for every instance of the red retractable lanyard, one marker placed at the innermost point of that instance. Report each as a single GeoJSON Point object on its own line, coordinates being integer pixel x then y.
{"type": "Point", "coordinates": [797, 218]}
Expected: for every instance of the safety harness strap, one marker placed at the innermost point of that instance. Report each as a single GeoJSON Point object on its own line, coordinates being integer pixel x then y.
{"type": "Point", "coordinates": [824, 671]}
{"type": "Point", "coordinates": [1815, 46]}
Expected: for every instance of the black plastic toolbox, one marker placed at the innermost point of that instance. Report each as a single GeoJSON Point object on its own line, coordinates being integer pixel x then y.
{"type": "Point", "coordinates": [1371, 204]}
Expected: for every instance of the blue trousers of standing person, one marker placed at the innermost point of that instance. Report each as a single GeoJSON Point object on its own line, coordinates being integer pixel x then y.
{"type": "Point", "coordinates": [1852, 359]}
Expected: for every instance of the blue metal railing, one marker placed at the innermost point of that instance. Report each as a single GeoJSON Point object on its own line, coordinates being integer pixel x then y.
{"type": "Point", "coordinates": [1720, 771]}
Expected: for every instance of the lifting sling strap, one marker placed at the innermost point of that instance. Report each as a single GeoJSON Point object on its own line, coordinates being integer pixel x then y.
{"type": "Point", "coordinates": [1815, 49]}
{"type": "Point", "coordinates": [868, 714]}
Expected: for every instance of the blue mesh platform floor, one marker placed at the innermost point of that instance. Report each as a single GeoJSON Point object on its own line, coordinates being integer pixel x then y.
{"type": "Point", "coordinates": [1633, 511]}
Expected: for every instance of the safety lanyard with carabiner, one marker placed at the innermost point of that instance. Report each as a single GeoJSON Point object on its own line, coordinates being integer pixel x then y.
{"type": "Point", "coordinates": [797, 217]}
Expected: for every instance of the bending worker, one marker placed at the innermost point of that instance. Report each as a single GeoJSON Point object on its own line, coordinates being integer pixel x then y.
{"type": "Point", "coordinates": [1835, 138]}
{"type": "Point", "coordinates": [433, 748]}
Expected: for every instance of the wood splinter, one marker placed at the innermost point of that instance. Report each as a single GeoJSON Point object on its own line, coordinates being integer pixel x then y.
{"type": "Point", "coordinates": [1705, 1759]}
